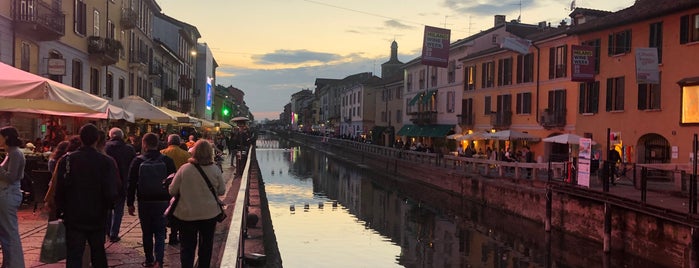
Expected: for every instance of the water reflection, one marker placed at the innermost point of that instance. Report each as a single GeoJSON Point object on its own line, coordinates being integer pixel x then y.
{"type": "Point", "coordinates": [328, 213]}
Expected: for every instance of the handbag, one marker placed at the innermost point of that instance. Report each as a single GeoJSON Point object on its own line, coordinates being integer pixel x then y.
{"type": "Point", "coordinates": [53, 248]}
{"type": "Point", "coordinates": [172, 221]}
{"type": "Point", "coordinates": [221, 216]}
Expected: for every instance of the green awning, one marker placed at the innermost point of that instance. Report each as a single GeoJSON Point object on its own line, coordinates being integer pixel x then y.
{"type": "Point", "coordinates": [415, 99]}
{"type": "Point", "coordinates": [436, 131]}
{"type": "Point", "coordinates": [428, 96]}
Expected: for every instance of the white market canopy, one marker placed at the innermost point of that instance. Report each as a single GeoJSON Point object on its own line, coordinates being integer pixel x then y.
{"type": "Point", "coordinates": [182, 118]}
{"type": "Point", "coordinates": [143, 110]}
{"type": "Point", "coordinates": [21, 91]}
{"type": "Point", "coordinates": [567, 138]}
{"type": "Point", "coordinates": [512, 135]}
{"type": "Point", "coordinates": [114, 113]}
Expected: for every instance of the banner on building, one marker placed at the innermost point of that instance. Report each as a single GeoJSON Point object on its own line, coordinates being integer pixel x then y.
{"type": "Point", "coordinates": [435, 47]}
{"type": "Point", "coordinates": [56, 66]}
{"type": "Point", "coordinates": [583, 64]}
{"type": "Point", "coordinates": [516, 44]}
{"type": "Point", "coordinates": [647, 71]}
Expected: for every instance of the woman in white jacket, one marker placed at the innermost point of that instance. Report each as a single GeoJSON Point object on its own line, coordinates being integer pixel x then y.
{"type": "Point", "coordinates": [197, 208]}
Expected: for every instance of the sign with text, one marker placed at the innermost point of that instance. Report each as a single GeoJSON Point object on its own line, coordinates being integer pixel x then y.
{"type": "Point", "coordinates": [435, 47]}
{"type": "Point", "coordinates": [583, 64]}
{"type": "Point", "coordinates": [584, 155]}
{"type": "Point", "coordinates": [647, 71]}
{"type": "Point", "coordinates": [56, 66]}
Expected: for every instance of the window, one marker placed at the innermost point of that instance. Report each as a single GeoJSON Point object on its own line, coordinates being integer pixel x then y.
{"type": "Point", "coordinates": [619, 43]}
{"type": "Point", "coordinates": [557, 101]}
{"type": "Point", "coordinates": [488, 76]}
{"type": "Point", "coordinates": [504, 103]}
{"type": "Point", "coordinates": [383, 116]}
{"type": "Point", "coordinates": [689, 28]}
{"type": "Point", "coordinates": [589, 98]}
{"type": "Point", "coordinates": [524, 103]}
{"type": "Point", "coordinates": [486, 103]}
{"type": "Point", "coordinates": [597, 52]}
{"type": "Point", "coordinates": [80, 17]}
{"type": "Point", "coordinates": [399, 93]}
{"type": "Point", "coordinates": [655, 38]}
{"type": "Point", "coordinates": [450, 101]}
{"type": "Point", "coordinates": [557, 62]}
{"type": "Point", "coordinates": [505, 72]}
{"type": "Point", "coordinates": [56, 55]}
{"type": "Point", "coordinates": [96, 23]}
{"type": "Point", "coordinates": [24, 60]}
{"type": "Point", "coordinates": [121, 88]}
{"type": "Point", "coordinates": [111, 29]}
{"type": "Point", "coordinates": [451, 73]}
{"type": "Point", "coordinates": [433, 76]}
{"type": "Point", "coordinates": [399, 116]}
{"type": "Point", "coordinates": [110, 85]}
{"type": "Point", "coordinates": [77, 74]}
{"type": "Point", "coordinates": [470, 74]}
{"type": "Point", "coordinates": [649, 96]}
{"type": "Point", "coordinates": [94, 81]}
{"type": "Point", "coordinates": [467, 116]}
{"type": "Point", "coordinates": [409, 82]}
{"type": "Point", "coordinates": [525, 68]}
{"type": "Point", "coordinates": [615, 94]}
{"type": "Point", "coordinates": [421, 79]}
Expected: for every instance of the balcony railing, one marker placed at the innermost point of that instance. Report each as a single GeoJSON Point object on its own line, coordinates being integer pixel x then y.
{"type": "Point", "coordinates": [103, 50]}
{"type": "Point", "coordinates": [468, 119]}
{"type": "Point", "coordinates": [155, 70]}
{"type": "Point", "coordinates": [551, 118]}
{"type": "Point", "coordinates": [501, 119]}
{"type": "Point", "coordinates": [137, 57]}
{"type": "Point", "coordinates": [129, 18]}
{"type": "Point", "coordinates": [38, 20]}
{"type": "Point", "coordinates": [423, 118]}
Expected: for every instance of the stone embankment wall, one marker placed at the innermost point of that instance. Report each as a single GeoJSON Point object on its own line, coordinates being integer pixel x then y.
{"type": "Point", "coordinates": [641, 234]}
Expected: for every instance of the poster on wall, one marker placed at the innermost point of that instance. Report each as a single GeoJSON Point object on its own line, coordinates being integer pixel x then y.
{"type": "Point", "coordinates": [584, 156]}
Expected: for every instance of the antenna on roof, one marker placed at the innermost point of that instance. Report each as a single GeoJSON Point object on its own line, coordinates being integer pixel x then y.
{"type": "Point", "coordinates": [572, 5]}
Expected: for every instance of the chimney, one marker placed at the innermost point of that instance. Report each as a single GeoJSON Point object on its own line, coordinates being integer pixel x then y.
{"type": "Point", "coordinates": [542, 25]}
{"type": "Point", "coordinates": [499, 20]}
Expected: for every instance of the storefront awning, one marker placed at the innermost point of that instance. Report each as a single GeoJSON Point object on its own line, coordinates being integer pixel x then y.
{"type": "Point", "coordinates": [436, 131]}
{"type": "Point", "coordinates": [414, 99]}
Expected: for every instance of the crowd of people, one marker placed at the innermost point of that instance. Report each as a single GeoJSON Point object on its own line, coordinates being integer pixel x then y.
{"type": "Point", "coordinates": [97, 175]}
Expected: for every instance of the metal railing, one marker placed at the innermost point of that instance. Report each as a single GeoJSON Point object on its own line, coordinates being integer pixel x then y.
{"type": "Point", "coordinates": [234, 250]}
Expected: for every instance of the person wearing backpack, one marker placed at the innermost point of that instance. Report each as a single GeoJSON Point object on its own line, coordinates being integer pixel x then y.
{"type": "Point", "coordinates": [147, 176]}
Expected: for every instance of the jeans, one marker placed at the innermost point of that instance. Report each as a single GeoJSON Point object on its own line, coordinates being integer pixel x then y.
{"type": "Point", "coordinates": [189, 232]}
{"type": "Point", "coordinates": [12, 254]}
{"type": "Point", "coordinates": [114, 218]}
{"type": "Point", "coordinates": [75, 242]}
{"type": "Point", "coordinates": [153, 226]}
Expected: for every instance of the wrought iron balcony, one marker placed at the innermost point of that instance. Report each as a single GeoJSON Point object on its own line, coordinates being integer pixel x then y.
{"type": "Point", "coordinates": [38, 20]}
{"type": "Point", "coordinates": [103, 50]}
{"type": "Point", "coordinates": [185, 81]}
{"type": "Point", "coordinates": [551, 118]}
{"type": "Point", "coordinates": [467, 119]}
{"type": "Point", "coordinates": [129, 18]}
{"type": "Point", "coordinates": [423, 118]}
{"type": "Point", "coordinates": [501, 119]}
{"type": "Point", "coordinates": [155, 70]}
{"type": "Point", "coordinates": [138, 58]}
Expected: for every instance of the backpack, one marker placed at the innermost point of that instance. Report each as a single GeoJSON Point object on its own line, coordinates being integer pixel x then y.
{"type": "Point", "coordinates": [151, 174]}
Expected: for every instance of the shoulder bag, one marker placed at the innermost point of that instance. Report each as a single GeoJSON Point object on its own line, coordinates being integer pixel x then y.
{"type": "Point", "coordinates": [221, 216]}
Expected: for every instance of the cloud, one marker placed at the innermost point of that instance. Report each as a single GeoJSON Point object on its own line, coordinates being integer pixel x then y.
{"type": "Point", "coordinates": [397, 24]}
{"type": "Point", "coordinates": [487, 8]}
{"type": "Point", "coordinates": [295, 57]}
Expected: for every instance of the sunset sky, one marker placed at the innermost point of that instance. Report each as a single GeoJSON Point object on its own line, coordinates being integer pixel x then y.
{"type": "Point", "coordinates": [271, 49]}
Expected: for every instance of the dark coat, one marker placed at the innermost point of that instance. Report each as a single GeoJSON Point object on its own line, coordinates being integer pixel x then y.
{"type": "Point", "coordinates": [133, 177]}
{"type": "Point", "coordinates": [123, 154]}
{"type": "Point", "coordinates": [85, 188]}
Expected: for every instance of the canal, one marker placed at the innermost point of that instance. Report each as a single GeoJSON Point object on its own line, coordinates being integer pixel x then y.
{"type": "Point", "coordinates": [330, 213]}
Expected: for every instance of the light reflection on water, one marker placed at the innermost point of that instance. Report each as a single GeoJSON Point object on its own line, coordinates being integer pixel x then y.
{"type": "Point", "coordinates": [320, 236]}
{"type": "Point", "coordinates": [390, 222]}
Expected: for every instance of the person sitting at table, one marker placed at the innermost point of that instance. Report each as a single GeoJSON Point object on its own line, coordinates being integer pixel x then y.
{"type": "Point", "coordinates": [460, 151]}
{"type": "Point", "coordinates": [469, 152]}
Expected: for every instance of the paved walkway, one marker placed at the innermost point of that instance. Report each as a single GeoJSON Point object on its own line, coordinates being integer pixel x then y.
{"type": "Point", "coordinates": [126, 253]}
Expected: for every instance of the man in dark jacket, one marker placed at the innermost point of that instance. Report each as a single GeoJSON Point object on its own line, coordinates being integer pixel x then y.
{"type": "Point", "coordinates": [85, 190]}
{"type": "Point", "coordinates": [123, 154]}
{"type": "Point", "coordinates": [151, 207]}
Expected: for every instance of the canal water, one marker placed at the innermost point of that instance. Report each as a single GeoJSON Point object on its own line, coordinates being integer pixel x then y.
{"type": "Point", "coordinates": [330, 213]}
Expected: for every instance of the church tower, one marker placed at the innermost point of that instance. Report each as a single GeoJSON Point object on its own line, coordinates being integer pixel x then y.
{"type": "Point", "coordinates": [393, 65]}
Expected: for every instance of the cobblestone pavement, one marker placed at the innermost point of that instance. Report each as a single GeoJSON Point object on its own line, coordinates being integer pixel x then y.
{"type": "Point", "coordinates": [126, 253]}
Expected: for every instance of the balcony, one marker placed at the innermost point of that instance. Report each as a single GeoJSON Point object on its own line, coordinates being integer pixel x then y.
{"type": "Point", "coordinates": [423, 118]}
{"type": "Point", "coordinates": [155, 71]}
{"type": "Point", "coordinates": [129, 18]}
{"type": "Point", "coordinates": [501, 120]}
{"type": "Point", "coordinates": [468, 120]}
{"type": "Point", "coordinates": [551, 118]}
{"type": "Point", "coordinates": [38, 20]}
{"type": "Point", "coordinates": [185, 81]}
{"type": "Point", "coordinates": [138, 59]}
{"type": "Point", "coordinates": [103, 50]}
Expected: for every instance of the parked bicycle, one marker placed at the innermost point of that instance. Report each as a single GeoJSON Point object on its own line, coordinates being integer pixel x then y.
{"type": "Point", "coordinates": [622, 172]}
